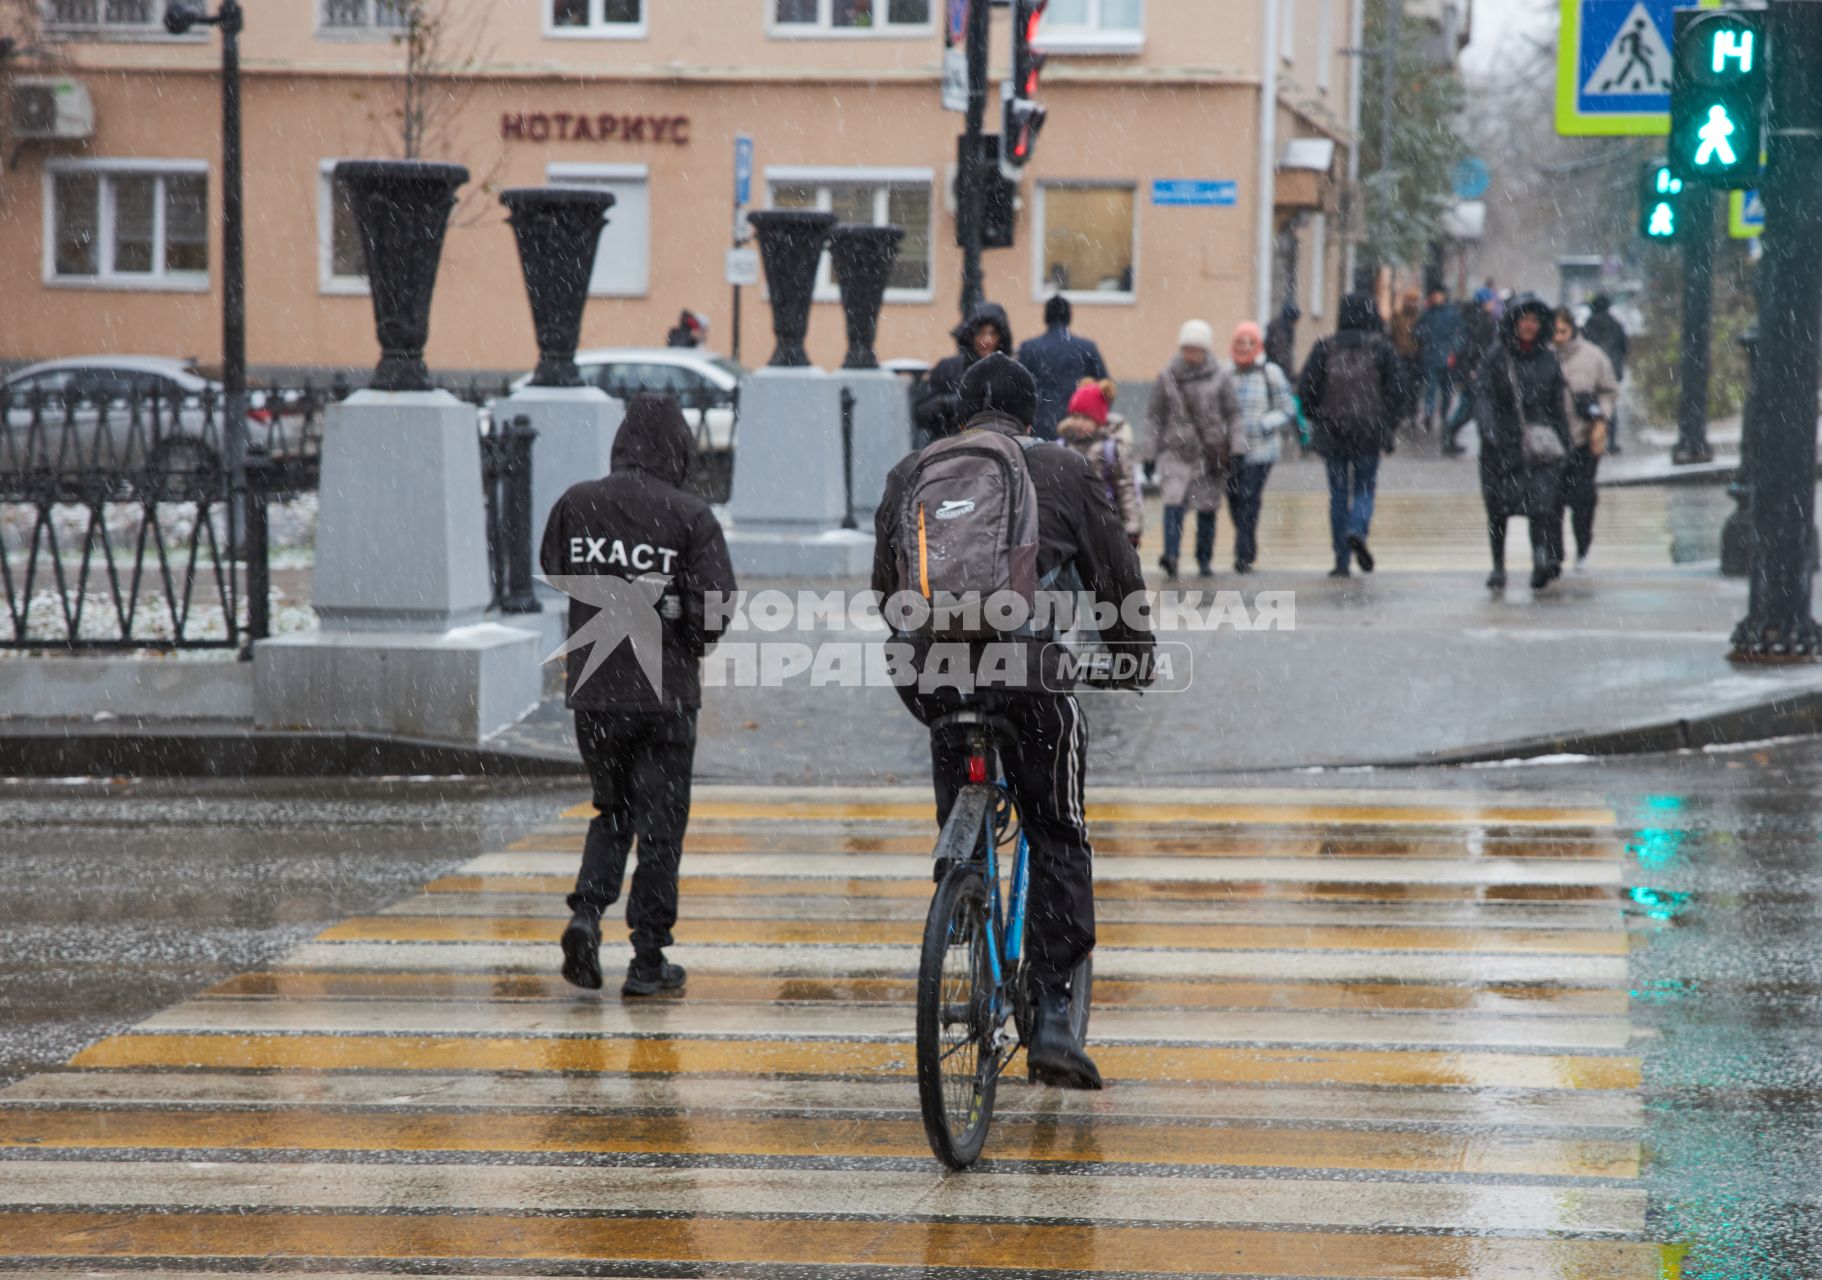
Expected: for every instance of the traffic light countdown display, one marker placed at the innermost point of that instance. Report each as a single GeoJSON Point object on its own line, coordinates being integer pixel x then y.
{"type": "Point", "coordinates": [1717, 96]}
{"type": "Point", "coordinates": [1660, 203]}
{"type": "Point", "coordinates": [1024, 116]}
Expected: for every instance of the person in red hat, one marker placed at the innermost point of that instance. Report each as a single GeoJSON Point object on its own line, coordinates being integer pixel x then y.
{"type": "Point", "coordinates": [1104, 438]}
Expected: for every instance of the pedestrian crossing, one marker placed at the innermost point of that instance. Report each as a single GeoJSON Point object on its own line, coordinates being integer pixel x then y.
{"type": "Point", "coordinates": [1347, 1035]}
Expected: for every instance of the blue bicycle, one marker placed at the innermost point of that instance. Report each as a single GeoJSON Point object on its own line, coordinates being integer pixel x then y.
{"type": "Point", "coordinates": [975, 1005]}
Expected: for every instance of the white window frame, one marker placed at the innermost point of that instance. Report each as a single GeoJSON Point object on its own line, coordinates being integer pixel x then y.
{"type": "Point", "coordinates": [1325, 46]}
{"type": "Point", "coordinates": [1041, 290]}
{"type": "Point", "coordinates": [597, 29]}
{"type": "Point", "coordinates": [158, 281]}
{"type": "Point", "coordinates": [583, 174]}
{"type": "Point", "coordinates": [327, 281]}
{"type": "Point", "coordinates": [1091, 37]}
{"type": "Point", "coordinates": [102, 30]}
{"type": "Point", "coordinates": [824, 27]}
{"type": "Point", "coordinates": [824, 177]}
{"type": "Point", "coordinates": [368, 30]}
{"type": "Point", "coordinates": [1319, 265]}
{"type": "Point", "coordinates": [1287, 30]}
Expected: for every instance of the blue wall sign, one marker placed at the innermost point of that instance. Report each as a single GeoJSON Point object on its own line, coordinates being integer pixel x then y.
{"type": "Point", "coordinates": [1195, 193]}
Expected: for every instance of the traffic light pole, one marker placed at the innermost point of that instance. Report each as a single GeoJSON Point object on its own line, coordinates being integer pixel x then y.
{"type": "Point", "coordinates": [971, 176]}
{"type": "Point", "coordinates": [1779, 624]}
{"type": "Point", "coordinates": [1697, 233]}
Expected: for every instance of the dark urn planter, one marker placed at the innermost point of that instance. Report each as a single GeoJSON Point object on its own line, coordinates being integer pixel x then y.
{"type": "Point", "coordinates": [558, 230]}
{"type": "Point", "coordinates": [864, 257]}
{"type": "Point", "coordinates": [402, 209]}
{"type": "Point", "coordinates": [791, 242]}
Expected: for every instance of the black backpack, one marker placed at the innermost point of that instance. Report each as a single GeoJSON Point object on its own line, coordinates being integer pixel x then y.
{"type": "Point", "coordinates": [1353, 401]}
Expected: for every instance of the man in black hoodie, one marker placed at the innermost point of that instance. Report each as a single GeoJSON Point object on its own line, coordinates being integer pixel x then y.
{"type": "Point", "coordinates": [666, 551]}
{"type": "Point", "coordinates": [1079, 530]}
{"type": "Point", "coordinates": [1350, 395]}
{"type": "Point", "coordinates": [936, 410]}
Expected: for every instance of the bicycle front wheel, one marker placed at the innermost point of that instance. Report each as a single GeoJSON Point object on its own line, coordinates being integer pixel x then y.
{"type": "Point", "coordinates": [955, 1057]}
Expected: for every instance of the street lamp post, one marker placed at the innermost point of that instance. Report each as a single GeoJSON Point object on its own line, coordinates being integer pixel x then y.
{"type": "Point", "coordinates": [178, 20]}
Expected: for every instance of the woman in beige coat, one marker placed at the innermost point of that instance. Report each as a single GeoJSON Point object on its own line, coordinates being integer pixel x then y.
{"type": "Point", "coordinates": [1196, 435]}
{"type": "Point", "coordinates": [1593, 392]}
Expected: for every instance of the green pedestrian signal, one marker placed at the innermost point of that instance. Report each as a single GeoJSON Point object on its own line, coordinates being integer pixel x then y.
{"type": "Point", "coordinates": [1660, 202]}
{"type": "Point", "coordinates": [1717, 96]}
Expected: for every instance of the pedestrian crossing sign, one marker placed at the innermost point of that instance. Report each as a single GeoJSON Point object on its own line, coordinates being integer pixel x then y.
{"type": "Point", "coordinates": [1745, 215]}
{"type": "Point", "coordinates": [1614, 65]}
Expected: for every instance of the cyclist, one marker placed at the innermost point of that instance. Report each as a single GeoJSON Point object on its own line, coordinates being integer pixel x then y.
{"type": "Point", "coordinates": [1045, 767]}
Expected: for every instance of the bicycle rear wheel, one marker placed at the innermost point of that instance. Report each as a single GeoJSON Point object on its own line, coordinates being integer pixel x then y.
{"type": "Point", "coordinates": [955, 1056]}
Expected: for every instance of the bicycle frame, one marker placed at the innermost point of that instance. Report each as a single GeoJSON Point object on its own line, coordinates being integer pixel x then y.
{"type": "Point", "coordinates": [1008, 915]}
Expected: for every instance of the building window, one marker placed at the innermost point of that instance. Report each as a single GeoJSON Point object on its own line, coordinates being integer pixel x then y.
{"type": "Point", "coordinates": [1093, 26]}
{"type": "Point", "coordinates": [341, 262]}
{"type": "Point", "coordinates": [1086, 241]}
{"type": "Point", "coordinates": [364, 17]}
{"type": "Point", "coordinates": [622, 19]}
{"type": "Point", "coordinates": [883, 197]}
{"type": "Point", "coordinates": [130, 17]}
{"type": "Point", "coordinates": [849, 17]}
{"type": "Point", "coordinates": [623, 257]}
{"type": "Point", "coordinates": [127, 225]}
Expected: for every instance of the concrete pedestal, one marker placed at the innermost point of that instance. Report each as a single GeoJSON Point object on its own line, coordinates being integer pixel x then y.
{"type": "Point", "coordinates": [882, 433]}
{"type": "Point", "coordinates": [401, 586]}
{"type": "Point", "coordinates": [789, 496]}
{"type": "Point", "coordinates": [576, 428]}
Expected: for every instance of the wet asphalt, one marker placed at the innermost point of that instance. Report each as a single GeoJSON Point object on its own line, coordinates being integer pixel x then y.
{"type": "Point", "coordinates": [117, 900]}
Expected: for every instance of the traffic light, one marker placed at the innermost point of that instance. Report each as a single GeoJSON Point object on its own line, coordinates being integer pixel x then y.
{"type": "Point", "coordinates": [1660, 203]}
{"type": "Point", "coordinates": [1717, 96]}
{"type": "Point", "coordinates": [1024, 115]}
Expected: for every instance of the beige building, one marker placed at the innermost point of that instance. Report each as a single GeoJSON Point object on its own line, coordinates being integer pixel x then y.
{"type": "Point", "coordinates": [110, 230]}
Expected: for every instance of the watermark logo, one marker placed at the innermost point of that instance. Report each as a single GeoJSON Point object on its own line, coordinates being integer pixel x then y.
{"type": "Point", "coordinates": [627, 611]}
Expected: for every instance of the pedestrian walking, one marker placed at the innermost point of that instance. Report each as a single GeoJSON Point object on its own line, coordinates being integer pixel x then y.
{"type": "Point", "coordinates": [1480, 333]}
{"type": "Point", "coordinates": [1593, 392]}
{"type": "Point", "coordinates": [1281, 339]}
{"type": "Point", "coordinates": [936, 408]}
{"type": "Point", "coordinates": [1195, 436]}
{"type": "Point", "coordinates": [1405, 342]}
{"type": "Point", "coordinates": [691, 330]}
{"type": "Point", "coordinates": [638, 740]}
{"type": "Point", "coordinates": [1348, 388]}
{"type": "Point", "coordinates": [1266, 409]}
{"type": "Point", "coordinates": [1104, 438]}
{"type": "Point", "coordinates": [1605, 331]}
{"type": "Point", "coordinates": [1439, 334]}
{"type": "Point", "coordinates": [1059, 360]}
{"type": "Point", "coordinates": [1524, 438]}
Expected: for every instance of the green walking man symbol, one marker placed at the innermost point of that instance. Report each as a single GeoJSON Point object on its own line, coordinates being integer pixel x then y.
{"type": "Point", "coordinates": [1714, 136]}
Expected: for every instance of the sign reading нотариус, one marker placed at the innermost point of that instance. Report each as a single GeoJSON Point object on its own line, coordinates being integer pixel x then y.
{"type": "Point", "coordinates": [606, 126]}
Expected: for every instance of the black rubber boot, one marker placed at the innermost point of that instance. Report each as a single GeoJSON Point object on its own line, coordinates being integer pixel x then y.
{"type": "Point", "coordinates": [582, 951]}
{"type": "Point", "coordinates": [1053, 1055]}
{"type": "Point", "coordinates": [652, 976]}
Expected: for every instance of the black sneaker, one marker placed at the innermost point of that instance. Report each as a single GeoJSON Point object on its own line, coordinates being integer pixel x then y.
{"type": "Point", "coordinates": [1169, 566]}
{"type": "Point", "coordinates": [1053, 1056]}
{"type": "Point", "coordinates": [1496, 581]}
{"type": "Point", "coordinates": [1340, 571]}
{"type": "Point", "coordinates": [1358, 545]}
{"type": "Point", "coordinates": [582, 951]}
{"type": "Point", "coordinates": [650, 978]}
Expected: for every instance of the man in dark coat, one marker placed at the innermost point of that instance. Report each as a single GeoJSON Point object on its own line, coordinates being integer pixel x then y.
{"type": "Point", "coordinates": [1605, 331]}
{"type": "Point", "coordinates": [1059, 360]}
{"type": "Point", "coordinates": [1520, 384]}
{"type": "Point", "coordinates": [1350, 395]}
{"type": "Point", "coordinates": [1281, 339]}
{"type": "Point", "coordinates": [936, 406]}
{"type": "Point", "coordinates": [1080, 540]}
{"type": "Point", "coordinates": [1439, 340]}
{"type": "Point", "coordinates": [1480, 332]}
{"type": "Point", "coordinates": [656, 550]}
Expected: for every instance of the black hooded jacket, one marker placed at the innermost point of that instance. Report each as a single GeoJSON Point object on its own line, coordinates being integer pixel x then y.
{"type": "Point", "coordinates": [634, 522]}
{"type": "Point", "coordinates": [1359, 325]}
{"type": "Point", "coordinates": [1519, 385]}
{"type": "Point", "coordinates": [936, 411]}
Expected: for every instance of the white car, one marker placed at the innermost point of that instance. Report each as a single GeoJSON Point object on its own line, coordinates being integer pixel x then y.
{"type": "Point", "coordinates": [703, 382]}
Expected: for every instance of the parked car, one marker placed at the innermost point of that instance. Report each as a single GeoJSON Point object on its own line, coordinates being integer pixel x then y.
{"type": "Point", "coordinates": [703, 382]}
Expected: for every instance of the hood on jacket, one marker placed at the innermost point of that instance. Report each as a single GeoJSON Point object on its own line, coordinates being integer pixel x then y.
{"type": "Point", "coordinates": [1532, 305]}
{"type": "Point", "coordinates": [654, 438]}
{"type": "Point", "coordinates": [1359, 312]}
{"type": "Point", "coordinates": [986, 313]}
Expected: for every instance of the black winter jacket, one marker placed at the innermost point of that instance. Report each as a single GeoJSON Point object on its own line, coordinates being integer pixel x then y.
{"type": "Point", "coordinates": [1518, 385]}
{"type": "Point", "coordinates": [1077, 526]}
{"type": "Point", "coordinates": [936, 408]}
{"type": "Point", "coordinates": [1359, 325]}
{"type": "Point", "coordinates": [637, 524]}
